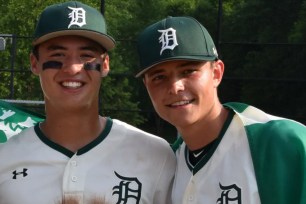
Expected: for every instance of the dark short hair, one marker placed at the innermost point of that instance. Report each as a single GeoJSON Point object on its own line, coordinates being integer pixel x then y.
{"type": "Point", "coordinates": [35, 51]}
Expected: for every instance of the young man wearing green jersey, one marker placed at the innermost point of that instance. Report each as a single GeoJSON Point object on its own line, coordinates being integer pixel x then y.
{"type": "Point", "coordinates": [227, 153]}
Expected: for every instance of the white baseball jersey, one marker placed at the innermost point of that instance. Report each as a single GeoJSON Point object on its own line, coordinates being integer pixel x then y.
{"type": "Point", "coordinates": [123, 165]}
{"type": "Point", "coordinates": [258, 158]}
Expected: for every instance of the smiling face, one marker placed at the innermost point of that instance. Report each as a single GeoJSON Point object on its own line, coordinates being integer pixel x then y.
{"type": "Point", "coordinates": [185, 92]}
{"type": "Point", "coordinates": [62, 67]}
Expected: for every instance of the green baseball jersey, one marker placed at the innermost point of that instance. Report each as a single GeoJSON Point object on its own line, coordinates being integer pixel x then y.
{"type": "Point", "coordinates": [122, 165]}
{"type": "Point", "coordinates": [257, 158]}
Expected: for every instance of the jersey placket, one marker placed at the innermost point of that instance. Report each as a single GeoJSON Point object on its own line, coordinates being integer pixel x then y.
{"type": "Point", "coordinates": [73, 180]}
{"type": "Point", "coordinates": [189, 196]}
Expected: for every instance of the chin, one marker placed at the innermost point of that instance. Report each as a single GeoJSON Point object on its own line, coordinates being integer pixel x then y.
{"type": "Point", "coordinates": [179, 122]}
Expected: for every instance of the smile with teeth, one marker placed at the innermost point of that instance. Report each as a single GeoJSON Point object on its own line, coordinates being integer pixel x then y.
{"type": "Point", "coordinates": [181, 103]}
{"type": "Point", "coordinates": [71, 84]}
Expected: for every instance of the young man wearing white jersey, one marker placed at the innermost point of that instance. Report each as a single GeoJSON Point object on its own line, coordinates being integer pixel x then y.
{"type": "Point", "coordinates": [75, 155]}
{"type": "Point", "coordinates": [227, 153]}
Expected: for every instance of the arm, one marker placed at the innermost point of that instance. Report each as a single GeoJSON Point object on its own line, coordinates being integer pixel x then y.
{"type": "Point", "coordinates": [278, 150]}
{"type": "Point", "coordinates": [164, 183]}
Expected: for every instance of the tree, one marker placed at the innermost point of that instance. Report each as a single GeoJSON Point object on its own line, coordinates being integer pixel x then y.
{"type": "Point", "coordinates": [264, 57]}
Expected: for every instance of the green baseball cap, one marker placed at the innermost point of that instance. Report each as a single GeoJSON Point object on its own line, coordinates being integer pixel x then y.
{"type": "Point", "coordinates": [72, 18]}
{"type": "Point", "coordinates": [174, 38]}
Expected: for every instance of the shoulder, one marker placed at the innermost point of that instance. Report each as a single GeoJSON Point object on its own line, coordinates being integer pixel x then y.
{"type": "Point", "coordinates": [20, 138]}
{"type": "Point", "coordinates": [265, 130]}
{"type": "Point", "coordinates": [255, 119]}
{"type": "Point", "coordinates": [138, 135]}
{"type": "Point", "coordinates": [18, 144]}
{"type": "Point", "coordinates": [278, 135]}
{"type": "Point", "coordinates": [278, 149]}
{"type": "Point", "coordinates": [143, 143]}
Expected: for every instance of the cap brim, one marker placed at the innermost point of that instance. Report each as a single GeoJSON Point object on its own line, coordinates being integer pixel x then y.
{"type": "Point", "coordinates": [186, 58]}
{"type": "Point", "coordinates": [104, 40]}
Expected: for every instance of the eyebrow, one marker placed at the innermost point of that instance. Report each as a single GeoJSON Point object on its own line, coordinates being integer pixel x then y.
{"type": "Point", "coordinates": [159, 70]}
{"type": "Point", "coordinates": [56, 47]}
{"type": "Point", "coordinates": [90, 48]}
{"type": "Point", "coordinates": [190, 63]}
{"type": "Point", "coordinates": [59, 47]}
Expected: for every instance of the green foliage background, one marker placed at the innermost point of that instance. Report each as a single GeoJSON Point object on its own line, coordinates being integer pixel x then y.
{"type": "Point", "coordinates": [261, 42]}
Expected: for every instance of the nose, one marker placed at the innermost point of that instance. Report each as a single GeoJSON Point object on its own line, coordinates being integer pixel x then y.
{"type": "Point", "coordinates": [176, 85]}
{"type": "Point", "coordinates": [73, 66]}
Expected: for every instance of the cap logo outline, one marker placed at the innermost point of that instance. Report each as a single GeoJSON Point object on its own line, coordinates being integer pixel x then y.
{"type": "Point", "coordinates": [168, 39]}
{"type": "Point", "coordinates": [78, 17]}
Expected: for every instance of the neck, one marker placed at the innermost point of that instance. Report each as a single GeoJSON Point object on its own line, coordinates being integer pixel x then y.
{"type": "Point", "coordinates": [74, 130]}
{"type": "Point", "coordinates": [205, 130]}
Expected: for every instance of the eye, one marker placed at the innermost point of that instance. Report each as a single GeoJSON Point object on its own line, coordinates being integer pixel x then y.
{"type": "Point", "coordinates": [88, 56]}
{"type": "Point", "coordinates": [157, 77]}
{"type": "Point", "coordinates": [189, 71]}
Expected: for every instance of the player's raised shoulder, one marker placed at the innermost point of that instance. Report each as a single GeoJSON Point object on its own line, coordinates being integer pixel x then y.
{"type": "Point", "coordinates": [136, 131]}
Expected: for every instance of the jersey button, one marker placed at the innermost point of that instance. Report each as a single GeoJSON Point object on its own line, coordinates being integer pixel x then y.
{"type": "Point", "coordinates": [191, 198]}
{"type": "Point", "coordinates": [73, 163]}
{"type": "Point", "coordinates": [74, 178]}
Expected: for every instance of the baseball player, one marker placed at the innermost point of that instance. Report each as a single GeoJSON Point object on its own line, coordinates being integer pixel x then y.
{"type": "Point", "coordinates": [75, 155]}
{"type": "Point", "coordinates": [226, 153]}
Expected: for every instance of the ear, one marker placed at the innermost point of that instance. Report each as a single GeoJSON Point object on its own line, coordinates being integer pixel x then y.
{"type": "Point", "coordinates": [105, 66]}
{"type": "Point", "coordinates": [144, 81]}
{"type": "Point", "coordinates": [218, 70]}
{"type": "Point", "coordinates": [34, 64]}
